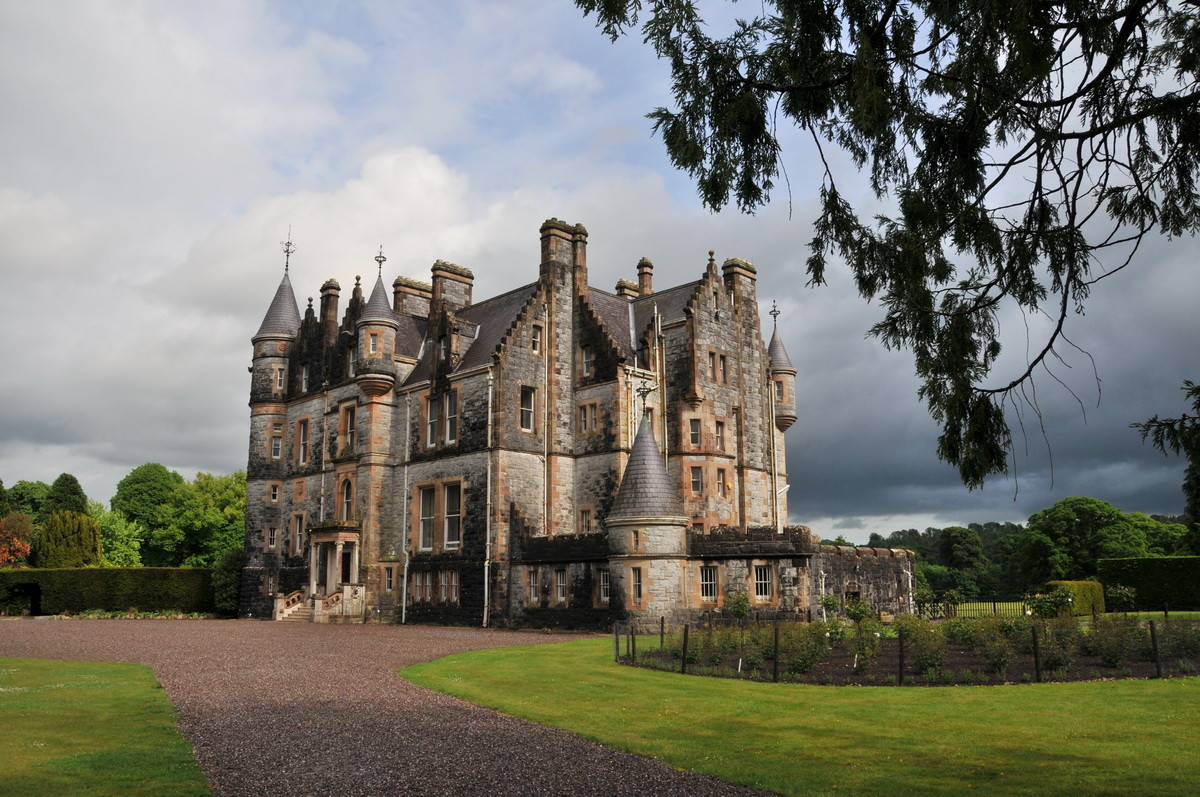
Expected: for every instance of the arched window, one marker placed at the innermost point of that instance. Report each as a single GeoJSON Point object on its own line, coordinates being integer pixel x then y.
{"type": "Point", "coordinates": [347, 500]}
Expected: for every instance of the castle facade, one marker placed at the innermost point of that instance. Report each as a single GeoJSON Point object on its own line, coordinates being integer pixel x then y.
{"type": "Point", "coordinates": [558, 455]}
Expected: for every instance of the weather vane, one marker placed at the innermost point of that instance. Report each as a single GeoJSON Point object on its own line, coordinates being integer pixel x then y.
{"type": "Point", "coordinates": [644, 390]}
{"type": "Point", "coordinates": [288, 248]}
{"type": "Point", "coordinates": [774, 315]}
{"type": "Point", "coordinates": [379, 258]}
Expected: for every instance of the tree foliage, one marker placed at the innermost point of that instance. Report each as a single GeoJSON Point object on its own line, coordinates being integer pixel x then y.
{"type": "Point", "coordinates": [4, 508]}
{"type": "Point", "coordinates": [27, 498]}
{"type": "Point", "coordinates": [65, 495]}
{"type": "Point", "coordinates": [68, 539]}
{"type": "Point", "coordinates": [16, 534]}
{"type": "Point", "coordinates": [199, 521]}
{"type": "Point", "coordinates": [1019, 153]}
{"type": "Point", "coordinates": [1181, 436]}
{"type": "Point", "coordinates": [120, 538]}
{"type": "Point", "coordinates": [143, 492]}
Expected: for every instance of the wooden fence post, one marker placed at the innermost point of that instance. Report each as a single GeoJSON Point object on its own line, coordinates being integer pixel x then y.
{"type": "Point", "coordinates": [900, 675]}
{"type": "Point", "coordinates": [616, 642]}
{"type": "Point", "coordinates": [633, 641]}
{"type": "Point", "coordinates": [683, 661]}
{"type": "Point", "coordinates": [1037, 657]}
{"type": "Point", "coordinates": [662, 631]}
{"type": "Point", "coordinates": [1154, 647]}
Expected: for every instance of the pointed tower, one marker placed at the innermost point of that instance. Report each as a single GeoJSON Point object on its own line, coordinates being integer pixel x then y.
{"type": "Point", "coordinates": [647, 538]}
{"type": "Point", "coordinates": [376, 372]}
{"type": "Point", "coordinates": [783, 377]}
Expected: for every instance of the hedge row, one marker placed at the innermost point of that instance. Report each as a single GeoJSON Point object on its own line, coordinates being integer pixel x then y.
{"type": "Point", "coordinates": [112, 589]}
{"type": "Point", "coordinates": [1159, 580]}
{"type": "Point", "coordinates": [1088, 596]}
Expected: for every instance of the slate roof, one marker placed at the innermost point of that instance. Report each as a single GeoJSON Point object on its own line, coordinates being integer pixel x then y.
{"type": "Point", "coordinates": [671, 304]}
{"type": "Point", "coordinates": [483, 326]}
{"type": "Point", "coordinates": [379, 306]}
{"type": "Point", "coordinates": [283, 316]}
{"type": "Point", "coordinates": [646, 488]}
{"type": "Point", "coordinates": [617, 320]}
{"type": "Point", "coordinates": [778, 354]}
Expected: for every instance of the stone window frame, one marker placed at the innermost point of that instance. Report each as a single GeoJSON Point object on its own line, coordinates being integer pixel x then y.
{"type": "Point", "coordinates": [274, 490]}
{"type": "Point", "coordinates": [534, 585]}
{"type": "Point", "coordinates": [281, 379]}
{"type": "Point", "coordinates": [433, 420]}
{"type": "Point", "coordinates": [586, 515]}
{"type": "Point", "coordinates": [296, 542]}
{"type": "Point", "coordinates": [764, 582]}
{"type": "Point", "coordinates": [346, 499]}
{"type": "Point", "coordinates": [695, 433]}
{"type": "Point", "coordinates": [452, 579]}
{"type": "Point", "coordinates": [589, 417]}
{"type": "Point", "coordinates": [426, 524]}
{"type": "Point", "coordinates": [373, 343]}
{"type": "Point", "coordinates": [697, 479]}
{"type": "Point", "coordinates": [780, 390]}
{"type": "Point", "coordinates": [712, 366]}
{"type": "Point", "coordinates": [304, 378]}
{"type": "Point", "coordinates": [723, 362]}
{"type": "Point", "coordinates": [272, 538]}
{"type": "Point", "coordinates": [389, 578]}
{"type": "Point", "coordinates": [527, 408]}
{"type": "Point", "coordinates": [275, 443]}
{"type": "Point", "coordinates": [605, 588]}
{"type": "Point", "coordinates": [450, 415]}
{"type": "Point", "coordinates": [560, 586]}
{"type": "Point", "coordinates": [422, 587]}
{"type": "Point", "coordinates": [719, 435]}
{"type": "Point", "coordinates": [303, 441]}
{"type": "Point", "coordinates": [709, 588]}
{"type": "Point", "coordinates": [587, 362]}
{"type": "Point", "coordinates": [348, 426]}
{"type": "Point", "coordinates": [536, 344]}
{"type": "Point", "coordinates": [636, 586]}
{"type": "Point", "coordinates": [449, 489]}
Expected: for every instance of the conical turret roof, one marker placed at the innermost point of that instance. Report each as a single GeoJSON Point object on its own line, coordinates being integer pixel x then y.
{"type": "Point", "coordinates": [778, 354]}
{"type": "Point", "coordinates": [379, 307]}
{"type": "Point", "coordinates": [646, 488]}
{"type": "Point", "coordinates": [283, 316]}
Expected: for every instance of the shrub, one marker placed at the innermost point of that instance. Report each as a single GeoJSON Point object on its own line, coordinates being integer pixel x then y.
{"type": "Point", "coordinates": [960, 630]}
{"type": "Point", "coordinates": [802, 647]}
{"type": "Point", "coordinates": [1115, 639]}
{"type": "Point", "coordinates": [1087, 596]}
{"type": "Point", "coordinates": [738, 605]}
{"type": "Point", "coordinates": [1054, 603]}
{"type": "Point", "coordinates": [864, 641]}
{"type": "Point", "coordinates": [992, 643]}
{"type": "Point", "coordinates": [858, 611]}
{"type": "Point", "coordinates": [1059, 642]}
{"type": "Point", "coordinates": [183, 589]}
{"type": "Point", "coordinates": [925, 643]}
{"type": "Point", "coordinates": [829, 603]}
{"type": "Point", "coordinates": [1119, 598]}
{"type": "Point", "coordinates": [1179, 640]}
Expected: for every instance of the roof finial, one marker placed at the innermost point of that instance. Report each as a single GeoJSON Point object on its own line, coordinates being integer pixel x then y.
{"type": "Point", "coordinates": [288, 248]}
{"type": "Point", "coordinates": [379, 258]}
{"type": "Point", "coordinates": [712, 259]}
{"type": "Point", "coordinates": [643, 390]}
{"type": "Point", "coordinates": [774, 316]}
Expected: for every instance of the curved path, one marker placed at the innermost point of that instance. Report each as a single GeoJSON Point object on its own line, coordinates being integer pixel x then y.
{"type": "Point", "coordinates": [306, 709]}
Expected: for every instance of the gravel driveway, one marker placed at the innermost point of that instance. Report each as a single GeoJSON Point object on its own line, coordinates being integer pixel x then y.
{"type": "Point", "coordinates": [307, 709]}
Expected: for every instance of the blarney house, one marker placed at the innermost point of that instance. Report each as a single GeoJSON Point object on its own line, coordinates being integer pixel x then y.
{"type": "Point", "coordinates": [429, 458]}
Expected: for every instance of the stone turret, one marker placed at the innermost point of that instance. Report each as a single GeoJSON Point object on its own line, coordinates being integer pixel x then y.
{"type": "Point", "coordinates": [273, 343]}
{"type": "Point", "coordinates": [783, 382]}
{"type": "Point", "coordinates": [376, 372]}
{"type": "Point", "coordinates": [647, 535]}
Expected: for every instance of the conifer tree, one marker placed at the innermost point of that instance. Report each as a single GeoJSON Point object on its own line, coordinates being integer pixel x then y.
{"type": "Point", "coordinates": [66, 495]}
{"type": "Point", "coordinates": [68, 539]}
{"type": "Point", "coordinates": [4, 508]}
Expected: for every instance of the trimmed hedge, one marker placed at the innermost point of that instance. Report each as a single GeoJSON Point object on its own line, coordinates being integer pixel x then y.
{"type": "Point", "coordinates": [1173, 581]}
{"type": "Point", "coordinates": [112, 589]}
{"type": "Point", "coordinates": [1088, 596]}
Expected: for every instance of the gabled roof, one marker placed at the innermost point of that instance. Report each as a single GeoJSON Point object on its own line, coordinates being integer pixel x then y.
{"type": "Point", "coordinates": [283, 316]}
{"type": "Point", "coordinates": [646, 488]}
{"type": "Point", "coordinates": [614, 314]}
{"type": "Point", "coordinates": [778, 354]}
{"type": "Point", "coordinates": [483, 327]}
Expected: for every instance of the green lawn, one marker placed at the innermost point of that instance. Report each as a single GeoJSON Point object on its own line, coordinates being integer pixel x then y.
{"type": "Point", "coordinates": [1109, 737]}
{"type": "Point", "coordinates": [81, 728]}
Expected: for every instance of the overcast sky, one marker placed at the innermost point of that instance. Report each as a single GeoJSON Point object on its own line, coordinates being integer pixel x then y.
{"type": "Point", "coordinates": [153, 155]}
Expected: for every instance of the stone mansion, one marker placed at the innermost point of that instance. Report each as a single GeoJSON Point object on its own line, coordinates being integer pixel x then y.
{"type": "Point", "coordinates": [557, 455]}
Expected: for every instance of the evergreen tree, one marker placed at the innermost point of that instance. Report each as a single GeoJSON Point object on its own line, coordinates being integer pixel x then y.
{"type": "Point", "coordinates": [4, 508]}
{"type": "Point", "coordinates": [28, 498]}
{"type": "Point", "coordinates": [120, 539]}
{"type": "Point", "coordinates": [68, 539]}
{"type": "Point", "coordinates": [65, 495]}
{"type": "Point", "coordinates": [142, 494]}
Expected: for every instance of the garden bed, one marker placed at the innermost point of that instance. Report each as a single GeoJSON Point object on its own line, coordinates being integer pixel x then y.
{"type": "Point", "coordinates": [957, 652]}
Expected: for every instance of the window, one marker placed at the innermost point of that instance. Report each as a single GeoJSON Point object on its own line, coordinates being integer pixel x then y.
{"type": "Point", "coordinates": [762, 582]}
{"type": "Point", "coordinates": [535, 339]}
{"type": "Point", "coordinates": [560, 585]}
{"type": "Point", "coordinates": [637, 584]}
{"type": "Point", "coordinates": [779, 390]}
{"type": "Point", "coordinates": [422, 586]}
{"type": "Point", "coordinates": [388, 576]}
{"type": "Point", "coordinates": [272, 537]}
{"type": "Point", "coordinates": [280, 379]}
{"type": "Point", "coordinates": [724, 370]}
{"type": "Point", "coordinates": [708, 583]}
{"type": "Point", "coordinates": [426, 541]}
{"type": "Point", "coordinates": [274, 493]}
{"type": "Point", "coordinates": [452, 579]}
{"type": "Point", "coordinates": [451, 401]}
{"type": "Point", "coordinates": [276, 440]}
{"type": "Point", "coordinates": [721, 485]}
{"type": "Point", "coordinates": [453, 521]}
{"type": "Point", "coordinates": [720, 435]}
{"type": "Point", "coordinates": [587, 417]}
{"type": "Point", "coordinates": [528, 395]}
{"type": "Point", "coordinates": [373, 344]}
{"type": "Point", "coordinates": [347, 500]}
{"type": "Point", "coordinates": [297, 533]}
{"type": "Point", "coordinates": [585, 521]}
{"type": "Point", "coordinates": [302, 436]}
{"type": "Point", "coordinates": [588, 362]}
{"type": "Point", "coordinates": [712, 366]}
{"type": "Point", "coordinates": [444, 347]}
{"type": "Point", "coordinates": [604, 588]}
{"type": "Point", "coordinates": [304, 379]}
{"type": "Point", "coordinates": [694, 432]}
{"type": "Point", "coordinates": [697, 481]}
{"type": "Point", "coordinates": [351, 427]}
{"type": "Point", "coordinates": [443, 587]}
{"type": "Point", "coordinates": [350, 363]}
{"type": "Point", "coordinates": [433, 409]}
{"type": "Point", "coordinates": [698, 526]}
{"type": "Point", "coordinates": [533, 585]}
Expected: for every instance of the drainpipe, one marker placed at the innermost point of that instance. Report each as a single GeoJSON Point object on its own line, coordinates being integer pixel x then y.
{"type": "Point", "coordinates": [487, 555]}
{"type": "Point", "coordinates": [407, 514]}
{"type": "Point", "coordinates": [774, 468]}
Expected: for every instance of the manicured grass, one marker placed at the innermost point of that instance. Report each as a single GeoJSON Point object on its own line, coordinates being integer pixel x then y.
{"type": "Point", "coordinates": [82, 728]}
{"type": "Point", "coordinates": [1109, 737]}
